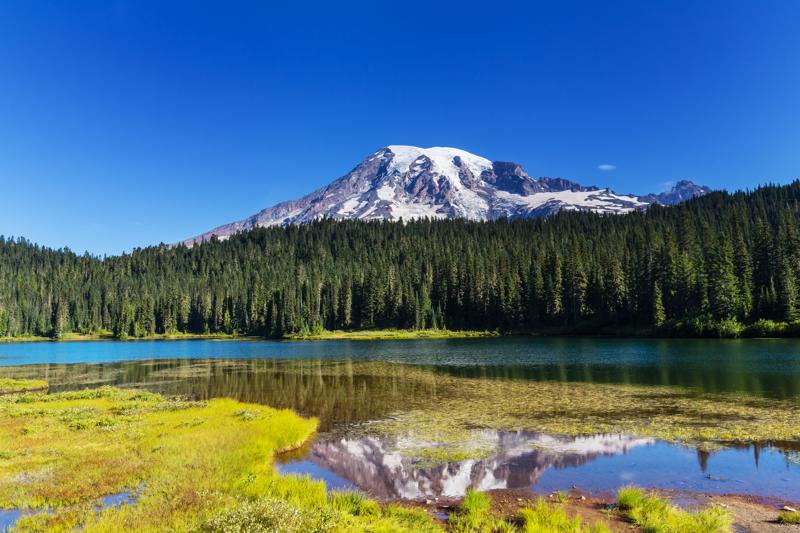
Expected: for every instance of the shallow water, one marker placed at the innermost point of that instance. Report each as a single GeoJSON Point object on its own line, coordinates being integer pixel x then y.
{"type": "Point", "coordinates": [8, 517]}
{"type": "Point", "coordinates": [328, 380]}
{"type": "Point", "coordinates": [597, 464]}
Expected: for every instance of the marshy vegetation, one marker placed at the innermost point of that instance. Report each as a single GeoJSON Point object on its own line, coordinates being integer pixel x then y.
{"type": "Point", "coordinates": [648, 511]}
{"type": "Point", "coordinates": [190, 466]}
{"type": "Point", "coordinates": [205, 466]}
{"type": "Point", "coordinates": [475, 516]}
{"type": "Point", "coordinates": [8, 386]}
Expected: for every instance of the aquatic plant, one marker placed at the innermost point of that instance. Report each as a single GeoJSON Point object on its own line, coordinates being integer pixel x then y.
{"type": "Point", "coordinates": [655, 515]}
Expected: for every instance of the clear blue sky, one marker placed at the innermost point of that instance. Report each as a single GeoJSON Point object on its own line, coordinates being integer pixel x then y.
{"type": "Point", "coordinates": [128, 123]}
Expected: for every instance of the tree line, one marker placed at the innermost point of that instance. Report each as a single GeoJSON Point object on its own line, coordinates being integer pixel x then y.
{"type": "Point", "coordinates": [713, 265]}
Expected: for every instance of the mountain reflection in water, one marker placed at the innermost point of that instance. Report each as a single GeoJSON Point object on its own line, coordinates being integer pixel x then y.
{"type": "Point", "coordinates": [382, 467]}
{"type": "Point", "coordinates": [379, 467]}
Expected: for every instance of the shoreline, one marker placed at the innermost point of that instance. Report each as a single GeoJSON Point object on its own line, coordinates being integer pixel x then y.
{"type": "Point", "coordinates": [375, 335]}
{"type": "Point", "coordinates": [754, 514]}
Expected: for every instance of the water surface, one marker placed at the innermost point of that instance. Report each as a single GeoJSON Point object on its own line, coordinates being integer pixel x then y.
{"type": "Point", "coordinates": [770, 367]}
{"type": "Point", "coordinates": [328, 380]}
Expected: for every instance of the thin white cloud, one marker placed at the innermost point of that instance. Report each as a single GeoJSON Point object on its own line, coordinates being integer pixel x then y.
{"type": "Point", "coordinates": [605, 167]}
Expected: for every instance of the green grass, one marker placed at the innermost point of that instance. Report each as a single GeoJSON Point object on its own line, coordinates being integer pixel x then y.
{"type": "Point", "coordinates": [108, 336]}
{"type": "Point", "coordinates": [8, 386]}
{"type": "Point", "coordinates": [388, 334]}
{"type": "Point", "coordinates": [475, 516]}
{"type": "Point", "coordinates": [561, 496]}
{"type": "Point", "coordinates": [655, 515]}
{"type": "Point", "coordinates": [546, 518]}
{"type": "Point", "coordinates": [195, 467]}
{"type": "Point", "coordinates": [367, 334]}
{"type": "Point", "coordinates": [789, 517]}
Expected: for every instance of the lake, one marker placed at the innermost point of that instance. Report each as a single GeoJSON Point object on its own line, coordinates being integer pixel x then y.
{"type": "Point", "coordinates": [351, 385]}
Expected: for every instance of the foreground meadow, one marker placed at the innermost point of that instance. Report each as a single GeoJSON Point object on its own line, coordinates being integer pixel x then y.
{"type": "Point", "coordinates": [107, 459]}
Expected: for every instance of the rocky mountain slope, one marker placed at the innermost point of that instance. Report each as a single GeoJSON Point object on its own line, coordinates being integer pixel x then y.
{"type": "Point", "coordinates": [409, 182]}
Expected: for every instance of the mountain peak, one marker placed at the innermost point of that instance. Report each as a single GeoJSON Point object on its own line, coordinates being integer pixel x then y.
{"type": "Point", "coordinates": [445, 159]}
{"type": "Point", "coordinates": [679, 192]}
{"type": "Point", "coordinates": [404, 182]}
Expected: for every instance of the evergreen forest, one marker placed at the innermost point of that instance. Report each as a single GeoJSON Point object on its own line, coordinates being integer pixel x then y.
{"type": "Point", "coordinates": [720, 265]}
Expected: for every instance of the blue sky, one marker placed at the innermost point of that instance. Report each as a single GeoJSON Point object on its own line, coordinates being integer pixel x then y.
{"type": "Point", "coordinates": [124, 124]}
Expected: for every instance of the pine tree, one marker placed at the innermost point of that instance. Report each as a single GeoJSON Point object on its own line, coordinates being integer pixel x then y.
{"type": "Point", "coordinates": [723, 286]}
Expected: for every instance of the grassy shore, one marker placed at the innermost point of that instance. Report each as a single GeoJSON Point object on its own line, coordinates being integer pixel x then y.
{"type": "Point", "coordinates": [108, 336]}
{"type": "Point", "coordinates": [184, 466]}
{"type": "Point", "coordinates": [696, 329]}
{"type": "Point", "coordinates": [390, 334]}
{"type": "Point", "coordinates": [205, 467]}
{"type": "Point", "coordinates": [11, 386]}
{"type": "Point", "coordinates": [367, 334]}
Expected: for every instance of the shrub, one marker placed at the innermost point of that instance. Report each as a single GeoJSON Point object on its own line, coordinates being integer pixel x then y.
{"type": "Point", "coordinates": [269, 515]}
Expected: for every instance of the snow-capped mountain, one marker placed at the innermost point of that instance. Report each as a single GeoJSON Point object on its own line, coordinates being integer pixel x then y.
{"type": "Point", "coordinates": [382, 467]}
{"type": "Point", "coordinates": [409, 182]}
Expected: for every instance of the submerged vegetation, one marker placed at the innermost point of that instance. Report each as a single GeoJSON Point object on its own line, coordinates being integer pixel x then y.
{"type": "Point", "coordinates": [720, 265]}
{"type": "Point", "coordinates": [459, 408]}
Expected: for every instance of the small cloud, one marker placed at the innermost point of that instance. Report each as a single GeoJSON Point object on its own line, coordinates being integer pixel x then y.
{"type": "Point", "coordinates": [667, 186]}
{"type": "Point", "coordinates": [605, 167]}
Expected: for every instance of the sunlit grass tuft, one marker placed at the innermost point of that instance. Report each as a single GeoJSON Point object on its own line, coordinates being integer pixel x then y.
{"type": "Point", "coordinates": [655, 515]}
{"type": "Point", "coordinates": [789, 517]}
{"type": "Point", "coordinates": [475, 515]}
{"type": "Point", "coordinates": [546, 518]}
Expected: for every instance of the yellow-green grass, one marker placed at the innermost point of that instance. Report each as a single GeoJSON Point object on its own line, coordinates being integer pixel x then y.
{"type": "Point", "coordinates": [8, 386]}
{"type": "Point", "coordinates": [108, 336]}
{"type": "Point", "coordinates": [789, 517]}
{"type": "Point", "coordinates": [655, 515]}
{"type": "Point", "coordinates": [475, 516]}
{"type": "Point", "coordinates": [191, 466]}
{"type": "Point", "coordinates": [389, 334]}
